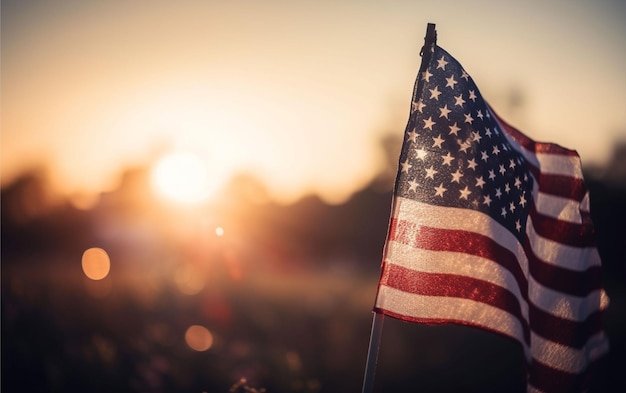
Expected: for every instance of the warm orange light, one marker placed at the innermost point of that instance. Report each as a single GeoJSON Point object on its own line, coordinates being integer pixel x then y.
{"type": "Point", "coordinates": [183, 177]}
{"type": "Point", "coordinates": [198, 338]}
{"type": "Point", "coordinates": [219, 231]}
{"type": "Point", "coordinates": [188, 280]}
{"type": "Point", "coordinates": [96, 263]}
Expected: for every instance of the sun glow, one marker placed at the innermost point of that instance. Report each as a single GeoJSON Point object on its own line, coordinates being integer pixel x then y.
{"type": "Point", "coordinates": [185, 178]}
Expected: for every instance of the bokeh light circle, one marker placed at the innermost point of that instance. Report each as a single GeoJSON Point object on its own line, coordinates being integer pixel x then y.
{"type": "Point", "coordinates": [96, 263]}
{"type": "Point", "coordinates": [198, 338]}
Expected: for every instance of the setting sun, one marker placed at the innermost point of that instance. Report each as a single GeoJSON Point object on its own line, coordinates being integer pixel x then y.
{"type": "Point", "coordinates": [183, 177]}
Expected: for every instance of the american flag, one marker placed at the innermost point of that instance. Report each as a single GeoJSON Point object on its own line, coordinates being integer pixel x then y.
{"type": "Point", "coordinates": [491, 229]}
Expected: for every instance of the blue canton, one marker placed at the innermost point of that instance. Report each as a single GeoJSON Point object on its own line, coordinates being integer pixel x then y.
{"type": "Point", "coordinates": [454, 153]}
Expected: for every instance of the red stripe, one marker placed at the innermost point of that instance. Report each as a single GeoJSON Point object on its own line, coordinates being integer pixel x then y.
{"type": "Point", "coordinates": [529, 144]}
{"type": "Point", "coordinates": [568, 233]}
{"type": "Point", "coordinates": [559, 185]}
{"type": "Point", "coordinates": [563, 331]}
{"type": "Point", "coordinates": [549, 379]}
{"type": "Point", "coordinates": [576, 283]}
{"type": "Point", "coordinates": [449, 285]}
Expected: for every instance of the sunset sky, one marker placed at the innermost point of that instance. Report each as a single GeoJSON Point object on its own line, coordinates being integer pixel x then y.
{"type": "Point", "coordinates": [297, 93]}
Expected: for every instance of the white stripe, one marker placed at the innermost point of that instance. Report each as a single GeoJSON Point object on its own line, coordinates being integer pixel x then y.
{"type": "Point", "coordinates": [556, 164]}
{"type": "Point", "coordinates": [584, 204]}
{"type": "Point", "coordinates": [531, 389]}
{"type": "Point", "coordinates": [557, 254]}
{"type": "Point", "coordinates": [557, 207]}
{"type": "Point", "coordinates": [561, 305]}
{"type": "Point", "coordinates": [566, 358]}
{"type": "Point", "coordinates": [453, 309]}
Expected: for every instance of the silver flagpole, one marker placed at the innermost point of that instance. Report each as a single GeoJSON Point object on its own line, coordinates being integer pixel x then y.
{"type": "Point", "coordinates": [372, 352]}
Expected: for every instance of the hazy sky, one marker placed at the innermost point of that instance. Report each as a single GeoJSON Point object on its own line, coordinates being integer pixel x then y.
{"type": "Point", "coordinates": [298, 93]}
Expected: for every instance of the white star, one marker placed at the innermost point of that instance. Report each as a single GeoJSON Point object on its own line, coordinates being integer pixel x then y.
{"type": "Point", "coordinates": [406, 166]}
{"type": "Point", "coordinates": [492, 175]}
{"type": "Point", "coordinates": [420, 153]}
{"type": "Point", "coordinates": [444, 111]}
{"type": "Point", "coordinates": [464, 193]}
{"type": "Point", "coordinates": [413, 185]}
{"type": "Point", "coordinates": [484, 156]}
{"type": "Point", "coordinates": [456, 176]}
{"type": "Point", "coordinates": [498, 193]}
{"type": "Point", "coordinates": [496, 151]}
{"type": "Point", "coordinates": [471, 164]}
{"type": "Point", "coordinates": [503, 212]}
{"type": "Point", "coordinates": [447, 159]}
{"type": "Point", "coordinates": [426, 76]}
{"type": "Point", "coordinates": [429, 123]}
{"type": "Point", "coordinates": [440, 190]}
{"type": "Point", "coordinates": [488, 132]}
{"type": "Point", "coordinates": [420, 105]}
{"type": "Point", "coordinates": [438, 141]}
{"type": "Point", "coordinates": [465, 75]}
{"type": "Point", "coordinates": [441, 63]}
{"type": "Point", "coordinates": [454, 129]}
{"type": "Point", "coordinates": [522, 201]}
{"type": "Point", "coordinates": [430, 172]}
{"type": "Point", "coordinates": [412, 136]}
{"type": "Point", "coordinates": [480, 182]}
{"type": "Point", "coordinates": [451, 82]}
{"type": "Point", "coordinates": [512, 207]}
{"type": "Point", "coordinates": [464, 146]}
{"type": "Point", "coordinates": [472, 95]}
{"type": "Point", "coordinates": [469, 118]}
{"type": "Point", "coordinates": [480, 114]}
{"type": "Point", "coordinates": [518, 226]}
{"type": "Point", "coordinates": [476, 136]}
{"type": "Point", "coordinates": [507, 188]}
{"type": "Point", "coordinates": [518, 183]}
{"type": "Point", "coordinates": [459, 100]}
{"type": "Point", "coordinates": [502, 170]}
{"type": "Point", "coordinates": [511, 163]}
{"type": "Point", "coordinates": [486, 200]}
{"type": "Point", "coordinates": [434, 93]}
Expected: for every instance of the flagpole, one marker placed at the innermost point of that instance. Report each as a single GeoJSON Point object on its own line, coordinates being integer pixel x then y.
{"type": "Point", "coordinates": [377, 323]}
{"type": "Point", "coordinates": [372, 352]}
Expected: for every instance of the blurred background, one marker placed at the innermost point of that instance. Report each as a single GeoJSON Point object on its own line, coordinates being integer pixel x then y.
{"type": "Point", "coordinates": [195, 194]}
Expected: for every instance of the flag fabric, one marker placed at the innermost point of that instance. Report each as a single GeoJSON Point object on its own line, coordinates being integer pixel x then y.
{"type": "Point", "coordinates": [491, 229]}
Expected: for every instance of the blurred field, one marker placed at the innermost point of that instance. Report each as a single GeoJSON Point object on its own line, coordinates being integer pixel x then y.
{"type": "Point", "coordinates": [278, 295]}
